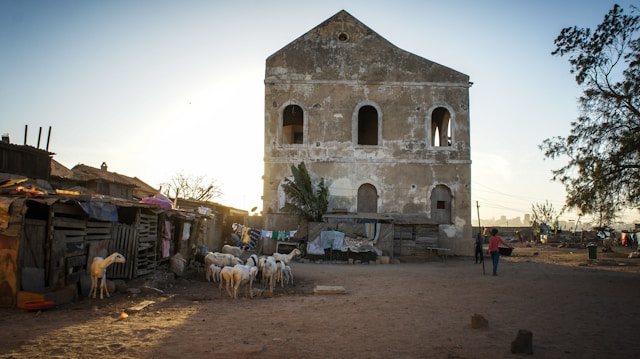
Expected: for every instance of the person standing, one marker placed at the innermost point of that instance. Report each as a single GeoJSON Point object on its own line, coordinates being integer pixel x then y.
{"type": "Point", "coordinates": [494, 241]}
{"type": "Point", "coordinates": [479, 244]}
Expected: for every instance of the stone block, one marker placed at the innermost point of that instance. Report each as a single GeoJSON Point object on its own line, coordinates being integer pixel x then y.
{"type": "Point", "coordinates": [478, 321]}
{"type": "Point", "coordinates": [329, 289]}
{"type": "Point", "coordinates": [523, 342]}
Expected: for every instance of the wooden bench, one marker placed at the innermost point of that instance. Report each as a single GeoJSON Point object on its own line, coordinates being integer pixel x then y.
{"type": "Point", "coordinates": [442, 251]}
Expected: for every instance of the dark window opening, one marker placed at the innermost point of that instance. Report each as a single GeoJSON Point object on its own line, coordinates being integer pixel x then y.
{"type": "Point", "coordinates": [441, 205]}
{"type": "Point", "coordinates": [293, 125]}
{"type": "Point", "coordinates": [368, 126]}
{"type": "Point", "coordinates": [440, 127]}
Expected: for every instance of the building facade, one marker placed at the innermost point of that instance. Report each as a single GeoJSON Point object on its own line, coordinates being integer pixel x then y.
{"type": "Point", "coordinates": [388, 130]}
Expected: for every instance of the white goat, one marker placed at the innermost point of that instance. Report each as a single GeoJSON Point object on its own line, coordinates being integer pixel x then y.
{"type": "Point", "coordinates": [226, 275]}
{"type": "Point", "coordinates": [99, 272]}
{"type": "Point", "coordinates": [243, 275]}
{"type": "Point", "coordinates": [278, 275]}
{"type": "Point", "coordinates": [287, 275]}
{"type": "Point", "coordinates": [269, 272]}
{"type": "Point", "coordinates": [261, 262]}
{"type": "Point", "coordinates": [221, 259]}
{"type": "Point", "coordinates": [236, 251]}
{"type": "Point", "coordinates": [286, 258]}
{"type": "Point", "coordinates": [213, 273]}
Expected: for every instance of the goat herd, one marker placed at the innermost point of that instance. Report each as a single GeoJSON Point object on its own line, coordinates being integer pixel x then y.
{"type": "Point", "coordinates": [227, 267]}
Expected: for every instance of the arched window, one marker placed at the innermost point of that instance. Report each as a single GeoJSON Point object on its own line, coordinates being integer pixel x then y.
{"type": "Point", "coordinates": [441, 204]}
{"type": "Point", "coordinates": [368, 126]}
{"type": "Point", "coordinates": [367, 199]}
{"type": "Point", "coordinates": [440, 127]}
{"type": "Point", "coordinates": [292, 125]}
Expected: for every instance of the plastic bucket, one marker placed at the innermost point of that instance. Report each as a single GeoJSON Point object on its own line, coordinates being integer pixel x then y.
{"type": "Point", "coordinates": [593, 251]}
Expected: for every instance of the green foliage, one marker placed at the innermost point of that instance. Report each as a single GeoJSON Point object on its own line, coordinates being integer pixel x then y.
{"type": "Point", "coordinates": [302, 197]}
{"type": "Point", "coordinates": [545, 214]}
{"type": "Point", "coordinates": [603, 147]}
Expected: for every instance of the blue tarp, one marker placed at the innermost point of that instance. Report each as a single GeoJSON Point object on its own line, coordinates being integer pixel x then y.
{"type": "Point", "coordinates": [102, 211]}
{"type": "Point", "coordinates": [332, 239]}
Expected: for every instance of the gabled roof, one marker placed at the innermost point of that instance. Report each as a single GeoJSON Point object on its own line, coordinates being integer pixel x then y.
{"type": "Point", "coordinates": [343, 48]}
{"type": "Point", "coordinates": [87, 173]}
{"type": "Point", "coordinates": [84, 173]}
{"type": "Point", "coordinates": [60, 171]}
{"type": "Point", "coordinates": [142, 189]}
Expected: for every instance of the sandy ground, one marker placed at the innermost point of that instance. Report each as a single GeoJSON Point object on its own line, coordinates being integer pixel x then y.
{"type": "Point", "coordinates": [574, 307]}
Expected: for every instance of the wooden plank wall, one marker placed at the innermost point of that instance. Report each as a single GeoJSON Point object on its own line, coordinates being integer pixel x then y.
{"type": "Point", "coordinates": [426, 236]}
{"type": "Point", "coordinates": [124, 241]}
{"type": "Point", "coordinates": [98, 239]}
{"type": "Point", "coordinates": [385, 239]}
{"type": "Point", "coordinates": [69, 250]}
{"type": "Point", "coordinates": [32, 257]}
{"type": "Point", "coordinates": [33, 243]}
{"type": "Point", "coordinates": [148, 251]}
{"type": "Point", "coordinates": [403, 241]}
{"type": "Point", "coordinates": [413, 239]}
{"type": "Point", "coordinates": [98, 230]}
{"type": "Point", "coordinates": [63, 246]}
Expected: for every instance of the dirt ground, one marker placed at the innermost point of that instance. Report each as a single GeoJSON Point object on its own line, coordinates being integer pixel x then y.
{"type": "Point", "coordinates": [575, 308]}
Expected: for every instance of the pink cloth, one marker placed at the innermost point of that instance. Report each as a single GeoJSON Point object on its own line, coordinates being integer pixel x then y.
{"type": "Point", "coordinates": [164, 203]}
{"type": "Point", "coordinates": [495, 241]}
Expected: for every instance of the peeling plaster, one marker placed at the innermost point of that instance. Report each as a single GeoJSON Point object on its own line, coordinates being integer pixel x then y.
{"type": "Point", "coordinates": [460, 222]}
{"type": "Point", "coordinates": [450, 231]}
{"type": "Point", "coordinates": [341, 187]}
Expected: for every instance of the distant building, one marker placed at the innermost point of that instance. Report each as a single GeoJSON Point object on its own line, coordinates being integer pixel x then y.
{"type": "Point", "coordinates": [92, 180]}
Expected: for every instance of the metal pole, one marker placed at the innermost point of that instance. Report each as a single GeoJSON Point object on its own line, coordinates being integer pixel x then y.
{"type": "Point", "coordinates": [48, 138]}
{"type": "Point", "coordinates": [39, 136]}
{"type": "Point", "coordinates": [479, 232]}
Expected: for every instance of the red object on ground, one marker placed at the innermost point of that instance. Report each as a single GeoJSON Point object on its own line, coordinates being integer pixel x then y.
{"type": "Point", "coordinates": [39, 305]}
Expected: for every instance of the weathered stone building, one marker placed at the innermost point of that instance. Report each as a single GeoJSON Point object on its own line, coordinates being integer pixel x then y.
{"type": "Point", "coordinates": [388, 130]}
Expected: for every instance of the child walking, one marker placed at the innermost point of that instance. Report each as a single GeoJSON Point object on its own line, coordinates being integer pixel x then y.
{"type": "Point", "coordinates": [494, 241]}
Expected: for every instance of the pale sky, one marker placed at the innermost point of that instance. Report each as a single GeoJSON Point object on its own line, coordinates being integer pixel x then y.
{"type": "Point", "coordinates": [154, 88]}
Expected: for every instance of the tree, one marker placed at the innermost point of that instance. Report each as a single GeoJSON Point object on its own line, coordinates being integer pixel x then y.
{"type": "Point", "coordinates": [302, 197]}
{"type": "Point", "coordinates": [603, 146]}
{"type": "Point", "coordinates": [544, 215]}
{"type": "Point", "coordinates": [197, 188]}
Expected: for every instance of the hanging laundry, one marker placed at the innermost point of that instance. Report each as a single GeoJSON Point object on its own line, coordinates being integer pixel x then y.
{"type": "Point", "coordinates": [186, 231]}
